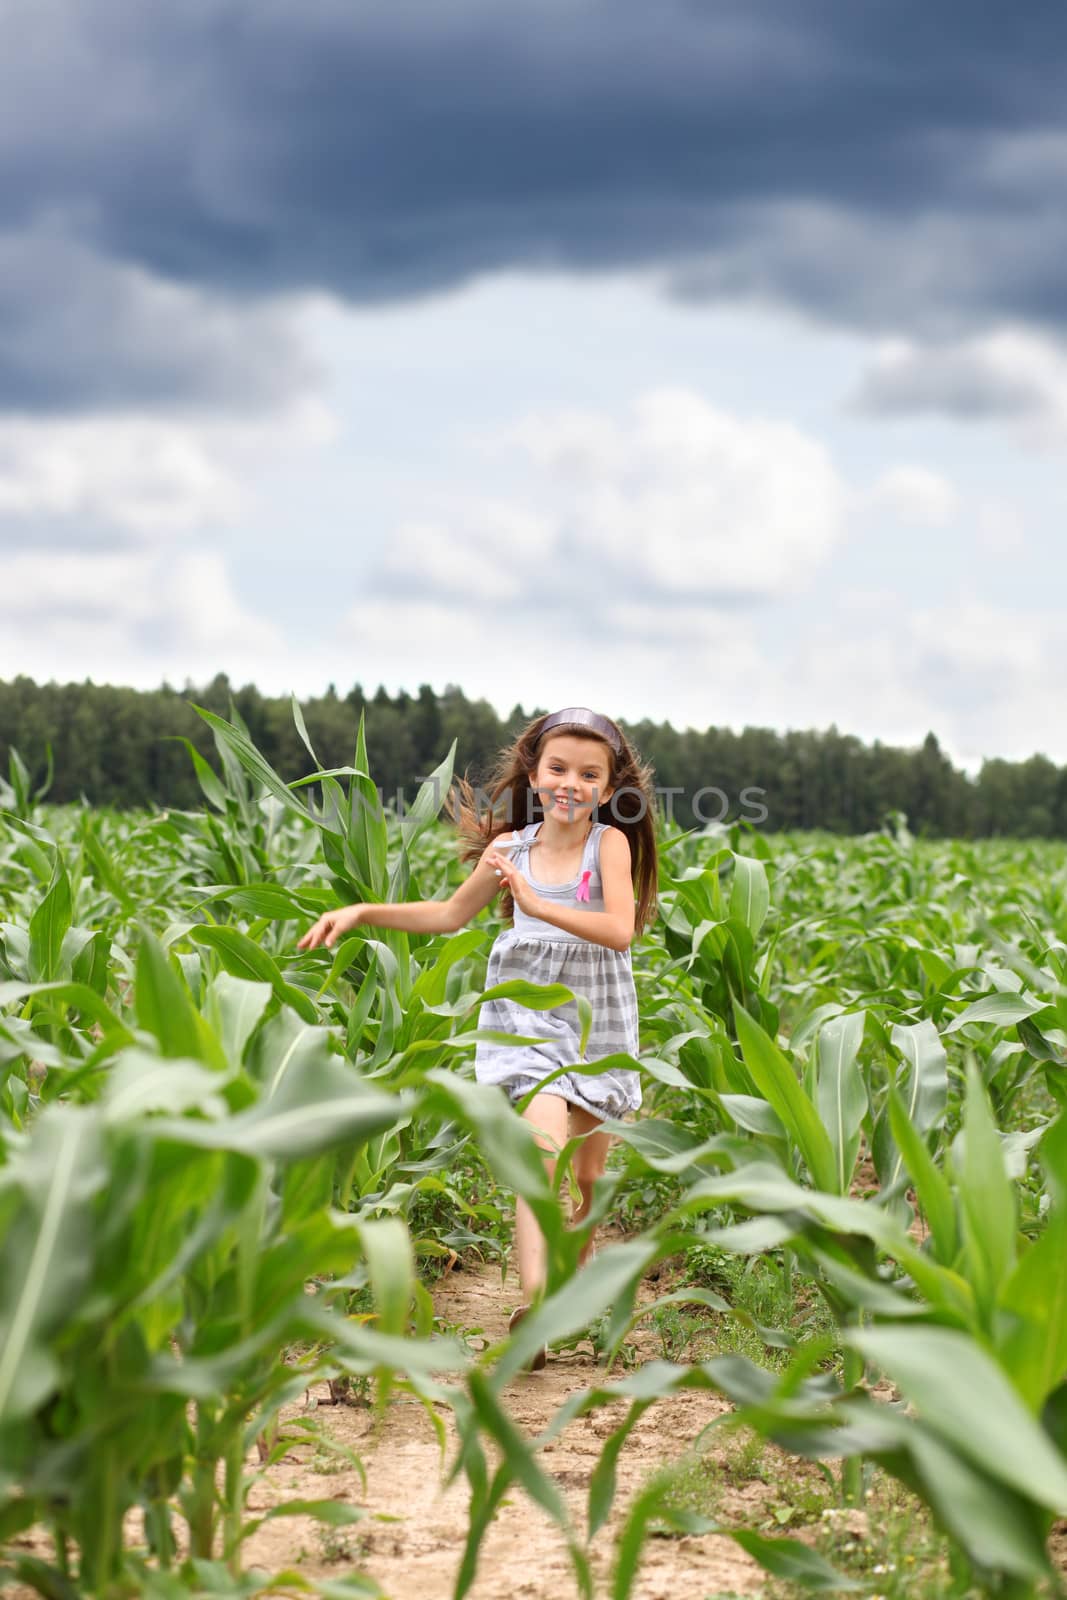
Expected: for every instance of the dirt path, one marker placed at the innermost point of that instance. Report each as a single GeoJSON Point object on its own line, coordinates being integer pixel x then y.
{"type": "Point", "coordinates": [413, 1541]}
{"type": "Point", "coordinates": [417, 1556]}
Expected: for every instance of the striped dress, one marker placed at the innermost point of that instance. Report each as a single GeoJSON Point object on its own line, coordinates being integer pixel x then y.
{"type": "Point", "coordinates": [539, 952]}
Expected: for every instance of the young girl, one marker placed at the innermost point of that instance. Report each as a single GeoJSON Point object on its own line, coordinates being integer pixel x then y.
{"type": "Point", "coordinates": [569, 881]}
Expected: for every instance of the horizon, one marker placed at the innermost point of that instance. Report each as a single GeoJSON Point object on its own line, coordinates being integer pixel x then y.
{"type": "Point", "coordinates": [503, 714]}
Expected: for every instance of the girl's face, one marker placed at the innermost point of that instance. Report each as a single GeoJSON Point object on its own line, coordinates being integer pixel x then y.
{"type": "Point", "coordinates": [572, 776]}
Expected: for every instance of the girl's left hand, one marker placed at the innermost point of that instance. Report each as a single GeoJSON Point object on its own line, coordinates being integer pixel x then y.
{"type": "Point", "coordinates": [522, 892]}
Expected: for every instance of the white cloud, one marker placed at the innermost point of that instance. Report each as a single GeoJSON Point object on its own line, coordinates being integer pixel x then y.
{"type": "Point", "coordinates": [142, 476]}
{"type": "Point", "coordinates": [571, 444]}
{"type": "Point", "coordinates": [133, 616]}
{"type": "Point", "coordinates": [913, 494]}
{"type": "Point", "coordinates": [479, 559]}
{"type": "Point", "coordinates": [985, 678]}
{"type": "Point", "coordinates": [684, 497]}
{"type": "Point", "coordinates": [647, 537]}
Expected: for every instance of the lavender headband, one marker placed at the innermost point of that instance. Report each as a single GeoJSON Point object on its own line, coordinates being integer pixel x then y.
{"type": "Point", "coordinates": [582, 716]}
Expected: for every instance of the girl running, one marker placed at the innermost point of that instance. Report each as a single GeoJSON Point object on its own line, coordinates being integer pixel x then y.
{"type": "Point", "coordinates": [569, 881]}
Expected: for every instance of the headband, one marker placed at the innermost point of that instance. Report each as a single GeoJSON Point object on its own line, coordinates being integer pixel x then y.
{"type": "Point", "coordinates": [586, 719]}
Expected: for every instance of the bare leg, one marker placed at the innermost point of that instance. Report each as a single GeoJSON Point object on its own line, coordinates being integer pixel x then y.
{"type": "Point", "coordinates": [590, 1161]}
{"type": "Point", "coordinates": [547, 1113]}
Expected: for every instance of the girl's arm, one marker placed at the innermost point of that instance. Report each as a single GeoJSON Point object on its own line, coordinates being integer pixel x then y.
{"type": "Point", "coordinates": [614, 926]}
{"type": "Point", "coordinates": [413, 916]}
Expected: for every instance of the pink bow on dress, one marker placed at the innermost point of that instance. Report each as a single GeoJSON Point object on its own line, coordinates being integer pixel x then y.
{"type": "Point", "coordinates": [582, 891]}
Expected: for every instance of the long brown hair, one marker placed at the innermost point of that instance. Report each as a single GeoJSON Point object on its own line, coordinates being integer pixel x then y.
{"type": "Point", "coordinates": [513, 803]}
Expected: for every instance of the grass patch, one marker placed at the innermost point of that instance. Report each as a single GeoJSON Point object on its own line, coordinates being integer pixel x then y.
{"type": "Point", "coordinates": [890, 1545]}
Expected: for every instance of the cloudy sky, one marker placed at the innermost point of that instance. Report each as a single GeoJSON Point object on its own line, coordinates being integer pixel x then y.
{"type": "Point", "coordinates": [704, 360]}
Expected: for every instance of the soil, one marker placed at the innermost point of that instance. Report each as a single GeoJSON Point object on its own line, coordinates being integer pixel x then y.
{"type": "Point", "coordinates": [417, 1555]}
{"type": "Point", "coordinates": [412, 1539]}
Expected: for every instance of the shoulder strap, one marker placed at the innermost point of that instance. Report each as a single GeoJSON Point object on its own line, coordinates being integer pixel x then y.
{"type": "Point", "coordinates": [591, 854]}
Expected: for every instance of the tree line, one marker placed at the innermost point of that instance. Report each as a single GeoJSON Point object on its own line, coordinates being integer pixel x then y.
{"type": "Point", "coordinates": [123, 747]}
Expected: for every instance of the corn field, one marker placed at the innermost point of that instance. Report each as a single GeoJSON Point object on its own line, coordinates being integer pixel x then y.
{"type": "Point", "coordinates": [229, 1170]}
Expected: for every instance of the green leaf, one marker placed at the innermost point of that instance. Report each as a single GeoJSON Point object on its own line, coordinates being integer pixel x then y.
{"type": "Point", "coordinates": [49, 925]}
{"type": "Point", "coordinates": [664, 1146]}
{"type": "Point", "coordinates": [753, 1114]}
{"type": "Point", "coordinates": [1000, 1530]}
{"type": "Point", "coordinates": [298, 719]}
{"type": "Point", "coordinates": [987, 1196]}
{"type": "Point", "coordinates": [1034, 1349]}
{"type": "Point", "coordinates": [139, 1083]}
{"type": "Point", "coordinates": [750, 896]}
{"type": "Point", "coordinates": [1033, 1346]}
{"type": "Point", "coordinates": [366, 832]}
{"type": "Point", "coordinates": [429, 987]}
{"type": "Point", "coordinates": [792, 1561]}
{"type": "Point", "coordinates": [608, 1280]}
{"type": "Point", "coordinates": [45, 1256]}
{"type": "Point", "coordinates": [418, 818]}
{"type": "Point", "coordinates": [931, 1186]}
{"type": "Point", "coordinates": [240, 745]}
{"type": "Point", "coordinates": [1002, 1009]}
{"type": "Point", "coordinates": [536, 996]}
{"type": "Point", "coordinates": [213, 789]}
{"type": "Point", "coordinates": [764, 1188]}
{"type": "Point", "coordinates": [924, 1093]}
{"type": "Point", "coordinates": [926, 1089]}
{"type": "Point", "coordinates": [234, 1008]}
{"type": "Point", "coordinates": [842, 1097]}
{"type": "Point", "coordinates": [391, 1269]}
{"type": "Point", "coordinates": [242, 957]}
{"type": "Point", "coordinates": [777, 1083]}
{"type": "Point", "coordinates": [78, 995]}
{"type": "Point", "coordinates": [259, 900]}
{"type": "Point", "coordinates": [602, 1479]}
{"type": "Point", "coordinates": [164, 1008]}
{"type": "Point", "coordinates": [326, 1106]}
{"type": "Point", "coordinates": [966, 1399]}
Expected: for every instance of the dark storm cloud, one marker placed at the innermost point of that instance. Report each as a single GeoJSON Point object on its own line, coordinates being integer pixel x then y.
{"type": "Point", "coordinates": [79, 331]}
{"type": "Point", "coordinates": [891, 164]}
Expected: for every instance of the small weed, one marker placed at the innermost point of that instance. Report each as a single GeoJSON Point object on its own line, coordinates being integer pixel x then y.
{"type": "Point", "coordinates": [890, 1544]}
{"type": "Point", "coordinates": [460, 1209]}
{"type": "Point", "coordinates": [642, 1199]}
{"type": "Point", "coordinates": [767, 1289]}
{"type": "Point", "coordinates": [341, 1544]}
{"type": "Point", "coordinates": [326, 1463]}
{"type": "Point", "coordinates": [470, 1338]}
{"type": "Point", "coordinates": [744, 1456]}
{"type": "Point", "coordinates": [595, 1334]}
{"type": "Point", "coordinates": [677, 1328]}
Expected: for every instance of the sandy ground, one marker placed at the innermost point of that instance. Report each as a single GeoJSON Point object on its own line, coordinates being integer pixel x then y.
{"type": "Point", "coordinates": [417, 1556]}
{"type": "Point", "coordinates": [412, 1540]}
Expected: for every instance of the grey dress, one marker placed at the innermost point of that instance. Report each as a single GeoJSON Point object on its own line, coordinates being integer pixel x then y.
{"type": "Point", "coordinates": [539, 952]}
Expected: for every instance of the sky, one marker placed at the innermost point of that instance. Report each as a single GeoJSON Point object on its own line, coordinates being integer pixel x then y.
{"type": "Point", "coordinates": [704, 361]}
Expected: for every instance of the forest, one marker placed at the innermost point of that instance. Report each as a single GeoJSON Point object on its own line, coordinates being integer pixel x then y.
{"type": "Point", "coordinates": [127, 748]}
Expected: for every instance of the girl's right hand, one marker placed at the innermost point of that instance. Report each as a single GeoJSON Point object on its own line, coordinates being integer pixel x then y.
{"type": "Point", "coordinates": [330, 926]}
